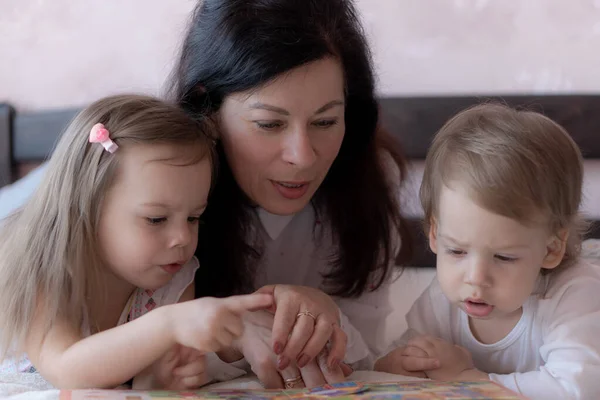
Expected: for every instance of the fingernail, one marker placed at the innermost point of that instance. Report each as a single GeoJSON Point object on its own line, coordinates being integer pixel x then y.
{"type": "Point", "coordinates": [277, 348]}
{"type": "Point", "coordinates": [303, 360]}
{"type": "Point", "coordinates": [283, 362]}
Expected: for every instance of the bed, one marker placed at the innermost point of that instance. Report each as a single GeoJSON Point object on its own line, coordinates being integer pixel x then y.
{"type": "Point", "coordinates": [27, 139]}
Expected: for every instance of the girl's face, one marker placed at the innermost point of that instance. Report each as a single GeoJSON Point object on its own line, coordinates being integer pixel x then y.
{"type": "Point", "coordinates": [148, 226]}
{"type": "Point", "coordinates": [281, 139]}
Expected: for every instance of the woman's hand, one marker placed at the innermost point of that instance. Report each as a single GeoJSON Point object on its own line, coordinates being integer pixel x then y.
{"type": "Point", "coordinates": [255, 345]}
{"type": "Point", "coordinates": [306, 319]}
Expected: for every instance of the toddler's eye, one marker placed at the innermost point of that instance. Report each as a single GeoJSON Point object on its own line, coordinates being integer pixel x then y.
{"type": "Point", "coordinates": [455, 252]}
{"type": "Point", "coordinates": [505, 258]}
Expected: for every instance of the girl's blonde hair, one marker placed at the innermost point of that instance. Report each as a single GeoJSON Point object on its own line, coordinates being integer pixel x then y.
{"type": "Point", "coordinates": [515, 163]}
{"type": "Point", "coordinates": [49, 259]}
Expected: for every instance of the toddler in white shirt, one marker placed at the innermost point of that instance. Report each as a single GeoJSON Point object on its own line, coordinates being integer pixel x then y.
{"type": "Point", "coordinates": [512, 302]}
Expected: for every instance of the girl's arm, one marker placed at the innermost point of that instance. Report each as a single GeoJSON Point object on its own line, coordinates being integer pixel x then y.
{"type": "Point", "coordinates": [160, 374]}
{"type": "Point", "coordinates": [114, 356]}
{"type": "Point", "coordinates": [104, 360]}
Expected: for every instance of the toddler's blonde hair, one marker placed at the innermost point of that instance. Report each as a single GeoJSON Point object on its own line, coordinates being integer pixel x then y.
{"type": "Point", "coordinates": [515, 163]}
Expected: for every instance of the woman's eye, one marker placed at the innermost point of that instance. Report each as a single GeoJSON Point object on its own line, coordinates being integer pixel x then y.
{"type": "Point", "coordinates": [156, 221]}
{"type": "Point", "coordinates": [269, 126]}
{"type": "Point", "coordinates": [326, 123]}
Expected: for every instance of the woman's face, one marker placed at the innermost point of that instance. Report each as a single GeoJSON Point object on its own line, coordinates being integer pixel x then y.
{"type": "Point", "coordinates": [281, 139]}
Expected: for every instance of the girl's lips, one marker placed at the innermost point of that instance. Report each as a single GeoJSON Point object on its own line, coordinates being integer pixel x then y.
{"type": "Point", "coordinates": [172, 268]}
{"type": "Point", "coordinates": [291, 190]}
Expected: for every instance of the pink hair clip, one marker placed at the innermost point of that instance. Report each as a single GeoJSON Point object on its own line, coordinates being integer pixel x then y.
{"type": "Point", "coordinates": [99, 134]}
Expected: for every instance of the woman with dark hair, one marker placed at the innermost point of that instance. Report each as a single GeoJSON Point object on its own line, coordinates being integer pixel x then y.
{"type": "Point", "coordinates": [306, 200]}
{"type": "Point", "coordinates": [305, 205]}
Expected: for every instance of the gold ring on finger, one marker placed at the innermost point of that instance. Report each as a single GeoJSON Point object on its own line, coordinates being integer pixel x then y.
{"type": "Point", "coordinates": [292, 382]}
{"type": "Point", "coordinates": [307, 313]}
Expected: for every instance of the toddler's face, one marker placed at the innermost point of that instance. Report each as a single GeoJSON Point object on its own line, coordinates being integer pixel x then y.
{"type": "Point", "coordinates": [149, 223]}
{"type": "Point", "coordinates": [488, 264]}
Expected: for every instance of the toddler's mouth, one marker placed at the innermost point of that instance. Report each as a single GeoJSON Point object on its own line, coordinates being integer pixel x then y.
{"type": "Point", "coordinates": [477, 308]}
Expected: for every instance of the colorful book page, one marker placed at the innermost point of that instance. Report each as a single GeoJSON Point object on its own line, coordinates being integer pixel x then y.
{"type": "Point", "coordinates": [415, 390]}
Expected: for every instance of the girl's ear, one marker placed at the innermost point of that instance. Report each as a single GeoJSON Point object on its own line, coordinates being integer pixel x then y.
{"type": "Point", "coordinates": [555, 249]}
{"type": "Point", "coordinates": [433, 235]}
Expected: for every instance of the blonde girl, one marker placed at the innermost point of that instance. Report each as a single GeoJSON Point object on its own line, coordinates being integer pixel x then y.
{"type": "Point", "coordinates": [97, 268]}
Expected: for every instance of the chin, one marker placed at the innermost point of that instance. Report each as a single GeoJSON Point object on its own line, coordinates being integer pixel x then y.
{"type": "Point", "coordinates": [286, 207]}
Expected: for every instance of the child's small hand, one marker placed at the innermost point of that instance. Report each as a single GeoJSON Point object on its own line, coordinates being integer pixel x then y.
{"type": "Point", "coordinates": [190, 372]}
{"type": "Point", "coordinates": [453, 359]}
{"type": "Point", "coordinates": [210, 324]}
{"type": "Point", "coordinates": [182, 368]}
{"type": "Point", "coordinates": [406, 361]}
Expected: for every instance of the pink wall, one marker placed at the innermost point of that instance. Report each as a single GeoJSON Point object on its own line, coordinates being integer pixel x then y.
{"type": "Point", "coordinates": [57, 53]}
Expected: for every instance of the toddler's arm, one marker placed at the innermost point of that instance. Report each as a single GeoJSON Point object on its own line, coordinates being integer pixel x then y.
{"type": "Point", "coordinates": [422, 318]}
{"type": "Point", "coordinates": [393, 363]}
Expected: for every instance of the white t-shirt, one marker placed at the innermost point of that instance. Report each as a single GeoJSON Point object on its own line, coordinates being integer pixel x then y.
{"type": "Point", "coordinates": [553, 352]}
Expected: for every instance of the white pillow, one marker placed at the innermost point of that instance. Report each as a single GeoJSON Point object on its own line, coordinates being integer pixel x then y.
{"type": "Point", "coordinates": [14, 196]}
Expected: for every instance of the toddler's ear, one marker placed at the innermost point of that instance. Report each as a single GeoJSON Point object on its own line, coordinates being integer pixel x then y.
{"type": "Point", "coordinates": [433, 235]}
{"type": "Point", "coordinates": [555, 249]}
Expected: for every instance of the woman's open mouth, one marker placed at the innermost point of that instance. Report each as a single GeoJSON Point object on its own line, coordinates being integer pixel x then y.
{"type": "Point", "coordinates": [291, 190]}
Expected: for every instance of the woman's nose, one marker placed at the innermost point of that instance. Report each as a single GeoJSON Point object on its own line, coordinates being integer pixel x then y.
{"type": "Point", "coordinates": [298, 149]}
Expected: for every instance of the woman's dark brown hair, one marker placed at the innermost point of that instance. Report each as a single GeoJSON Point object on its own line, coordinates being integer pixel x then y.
{"type": "Point", "coordinates": [236, 45]}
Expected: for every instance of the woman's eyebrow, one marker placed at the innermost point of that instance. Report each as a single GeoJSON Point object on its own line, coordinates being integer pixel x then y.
{"type": "Point", "coordinates": [329, 105]}
{"type": "Point", "coordinates": [282, 111]}
{"type": "Point", "coordinates": [268, 107]}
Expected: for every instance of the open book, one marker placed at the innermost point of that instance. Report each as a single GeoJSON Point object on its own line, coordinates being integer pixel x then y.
{"type": "Point", "coordinates": [413, 390]}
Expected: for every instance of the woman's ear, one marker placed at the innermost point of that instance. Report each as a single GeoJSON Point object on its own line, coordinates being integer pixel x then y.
{"type": "Point", "coordinates": [555, 249]}
{"type": "Point", "coordinates": [433, 235]}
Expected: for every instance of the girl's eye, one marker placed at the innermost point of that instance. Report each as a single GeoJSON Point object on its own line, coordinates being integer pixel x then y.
{"type": "Point", "coordinates": [156, 221]}
{"type": "Point", "coordinates": [505, 258]}
{"type": "Point", "coordinates": [326, 123]}
{"type": "Point", "coordinates": [269, 125]}
{"type": "Point", "coordinates": [193, 220]}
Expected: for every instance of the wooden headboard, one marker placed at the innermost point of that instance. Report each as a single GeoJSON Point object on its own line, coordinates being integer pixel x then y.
{"type": "Point", "coordinates": [26, 139]}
